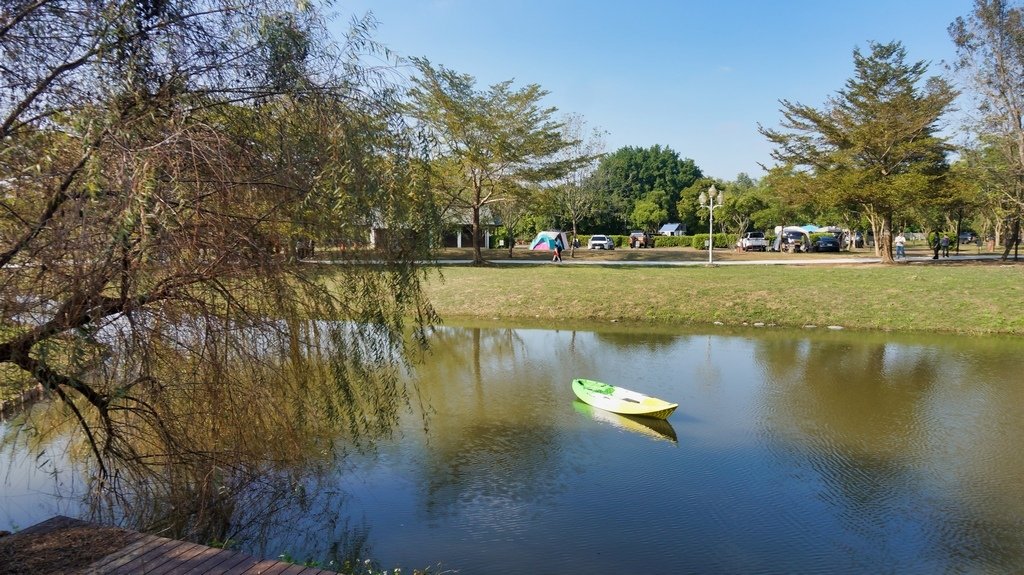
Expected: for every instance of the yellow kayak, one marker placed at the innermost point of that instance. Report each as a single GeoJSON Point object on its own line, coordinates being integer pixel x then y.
{"type": "Point", "coordinates": [620, 400]}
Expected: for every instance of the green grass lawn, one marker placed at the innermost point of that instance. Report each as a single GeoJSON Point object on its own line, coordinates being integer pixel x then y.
{"type": "Point", "coordinates": [975, 297]}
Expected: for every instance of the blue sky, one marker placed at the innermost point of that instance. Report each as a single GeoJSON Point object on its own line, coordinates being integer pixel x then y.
{"type": "Point", "coordinates": [696, 76]}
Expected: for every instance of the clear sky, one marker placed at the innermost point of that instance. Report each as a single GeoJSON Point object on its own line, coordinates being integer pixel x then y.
{"type": "Point", "coordinates": [694, 75]}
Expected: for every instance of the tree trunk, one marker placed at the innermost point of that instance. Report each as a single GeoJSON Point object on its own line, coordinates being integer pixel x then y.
{"type": "Point", "coordinates": [959, 229]}
{"type": "Point", "coordinates": [572, 242]}
{"type": "Point", "coordinates": [873, 222]}
{"type": "Point", "coordinates": [883, 244]}
{"type": "Point", "coordinates": [875, 234]}
{"type": "Point", "coordinates": [478, 257]}
{"type": "Point", "coordinates": [1012, 240]}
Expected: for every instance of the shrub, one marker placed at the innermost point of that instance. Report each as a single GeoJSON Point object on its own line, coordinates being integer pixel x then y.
{"type": "Point", "coordinates": [671, 241]}
{"type": "Point", "coordinates": [699, 241]}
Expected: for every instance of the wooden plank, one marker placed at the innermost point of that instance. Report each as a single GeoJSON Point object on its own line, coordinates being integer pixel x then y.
{"type": "Point", "coordinates": [278, 568]}
{"type": "Point", "coordinates": [210, 561]}
{"type": "Point", "coordinates": [240, 560]}
{"type": "Point", "coordinates": [243, 566]}
{"type": "Point", "coordinates": [162, 556]}
{"type": "Point", "coordinates": [204, 556]}
{"type": "Point", "coordinates": [265, 567]}
{"type": "Point", "coordinates": [271, 567]}
{"type": "Point", "coordinates": [99, 565]}
{"type": "Point", "coordinates": [181, 555]}
{"type": "Point", "coordinates": [143, 546]}
{"type": "Point", "coordinates": [153, 557]}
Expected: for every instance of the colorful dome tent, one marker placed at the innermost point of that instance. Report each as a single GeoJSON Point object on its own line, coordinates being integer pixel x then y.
{"type": "Point", "coordinates": [546, 240]}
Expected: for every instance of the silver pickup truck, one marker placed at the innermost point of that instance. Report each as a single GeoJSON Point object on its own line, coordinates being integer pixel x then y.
{"type": "Point", "coordinates": [752, 241]}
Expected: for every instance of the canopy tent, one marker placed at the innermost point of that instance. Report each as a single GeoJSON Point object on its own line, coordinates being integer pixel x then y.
{"type": "Point", "coordinates": [546, 240]}
{"type": "Point", "coordinates": [780, 231]}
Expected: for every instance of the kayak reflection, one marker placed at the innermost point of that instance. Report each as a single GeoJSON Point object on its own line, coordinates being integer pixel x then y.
{"type": "Point", "coordinates": [656, 428]}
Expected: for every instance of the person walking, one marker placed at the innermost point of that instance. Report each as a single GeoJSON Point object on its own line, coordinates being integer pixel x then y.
{"type": "Point", "coordinates": [558, 249]}
{"type": "Point", "coordinates": [944, 245]}
{"type": "Point", "coordinates": [900, 242]}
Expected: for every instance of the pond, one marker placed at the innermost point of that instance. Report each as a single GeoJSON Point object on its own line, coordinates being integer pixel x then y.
{"type": "Point", "coordinates": [798, 452]}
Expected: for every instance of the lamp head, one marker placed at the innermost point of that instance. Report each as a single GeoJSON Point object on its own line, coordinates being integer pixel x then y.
{"type": "Point", "coordinates": [715, 194]}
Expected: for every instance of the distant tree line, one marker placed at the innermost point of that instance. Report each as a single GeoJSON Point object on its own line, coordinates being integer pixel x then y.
{"type": "Point", "coordinates": [874, 157]}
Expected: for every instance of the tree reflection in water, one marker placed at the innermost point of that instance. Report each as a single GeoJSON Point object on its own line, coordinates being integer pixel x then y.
{"type": "Point", "coordinates": [238, 451]}
{"type": "Point", "coordinates": [881, 425]}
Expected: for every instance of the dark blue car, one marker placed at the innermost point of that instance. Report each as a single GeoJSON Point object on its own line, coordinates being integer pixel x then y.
{"type": "Point", "coordinates": [825, 244]}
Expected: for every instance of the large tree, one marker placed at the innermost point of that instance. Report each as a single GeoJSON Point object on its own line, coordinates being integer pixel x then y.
{"type": "Point", "coordinates": [744, 198]}
{"type": "Point", "coordinates": [990, 46]}
{"type": "Point", "coordinates": [649, 211]}
{"type": "Point", "coordinates": [491, 143]}
{"type": "Point", "coordinates": [874, 145]}
{"type": "Point", "coordinates": [629, 174]}
{"type": "Point", "coordinates": [158, 160]}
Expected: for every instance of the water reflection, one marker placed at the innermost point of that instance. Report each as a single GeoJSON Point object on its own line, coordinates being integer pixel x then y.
{"type": "Point", "coordinates": [894, 431]}
{"type": "Point", "coordinates": [790, 452]}
{"type": "Point", "coordinates": [656, 428]}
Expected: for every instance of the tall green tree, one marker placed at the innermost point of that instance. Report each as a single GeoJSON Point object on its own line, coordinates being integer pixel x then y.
{"type": "Point", "coordinates": [649, 211]}
{"type": "Point", "coordinates": [493, 141]}
{"type": "Point", "coordinates": [875, 143]}
{"type": "Point", "coordinates": [990, 48]}
{"type": "Point", "coordinates": [744, 198]}
{"type": "Point", "coordinates": [989, 186]}
{"type": "Point", "coordinates": [629, 174]}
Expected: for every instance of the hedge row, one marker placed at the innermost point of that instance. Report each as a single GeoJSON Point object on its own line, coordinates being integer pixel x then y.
{"type": "Point", "coordinates": [698, 241]}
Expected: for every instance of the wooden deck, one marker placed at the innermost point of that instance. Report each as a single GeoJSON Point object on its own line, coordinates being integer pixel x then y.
{"type": "Point", "coordinates": [151, 555]}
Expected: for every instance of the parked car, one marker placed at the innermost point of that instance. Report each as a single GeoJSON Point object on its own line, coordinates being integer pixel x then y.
{"type": "Point", "coordinates": [752, 241]}
{"type": "Point", "coordinates": [599, 242]}
{"type": "Point", "coordinates": [967, 237]}
{"type": "Point", "coordinates": [640, 239]}
{"type": "Point", "coordinates": [825, 244]}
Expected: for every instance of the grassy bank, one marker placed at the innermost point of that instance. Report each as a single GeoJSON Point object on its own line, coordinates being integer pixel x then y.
{"type": "Point", "coordinates": [972, 298]}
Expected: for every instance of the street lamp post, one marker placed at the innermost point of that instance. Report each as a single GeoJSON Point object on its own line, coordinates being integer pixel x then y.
{"type": "Point", "coordinates": [708, 200]}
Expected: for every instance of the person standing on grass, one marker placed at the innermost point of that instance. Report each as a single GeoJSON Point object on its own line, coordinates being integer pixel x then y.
{"type": "Point", "coordinates": [944, 245]}
{"type": "Point", "coordinates": [900, 241]}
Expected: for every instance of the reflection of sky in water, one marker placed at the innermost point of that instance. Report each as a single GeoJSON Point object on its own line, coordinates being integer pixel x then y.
{"type": "Point", "coordinates": [795, 452]}
{"type": "Point", "coordinates": [32, 486]}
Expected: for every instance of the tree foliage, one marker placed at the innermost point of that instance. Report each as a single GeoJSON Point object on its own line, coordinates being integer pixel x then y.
{"type": "Point", "coordinates": [159, 161]}
{"type": "Point", "coordinates": [649, 211]}
{"type": "Point", "coordinates": [577, 196]}
{"type": "Point", "coordinates": [990, 48]}
{"type": "Point", "coordinates": [490, 142]}
{"type": "Point", "coordinates": [874, 145]}
{"type": "Point", "coordinates": [745, 199]}
{"type": "Point", "coordinates": [629, 174]}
